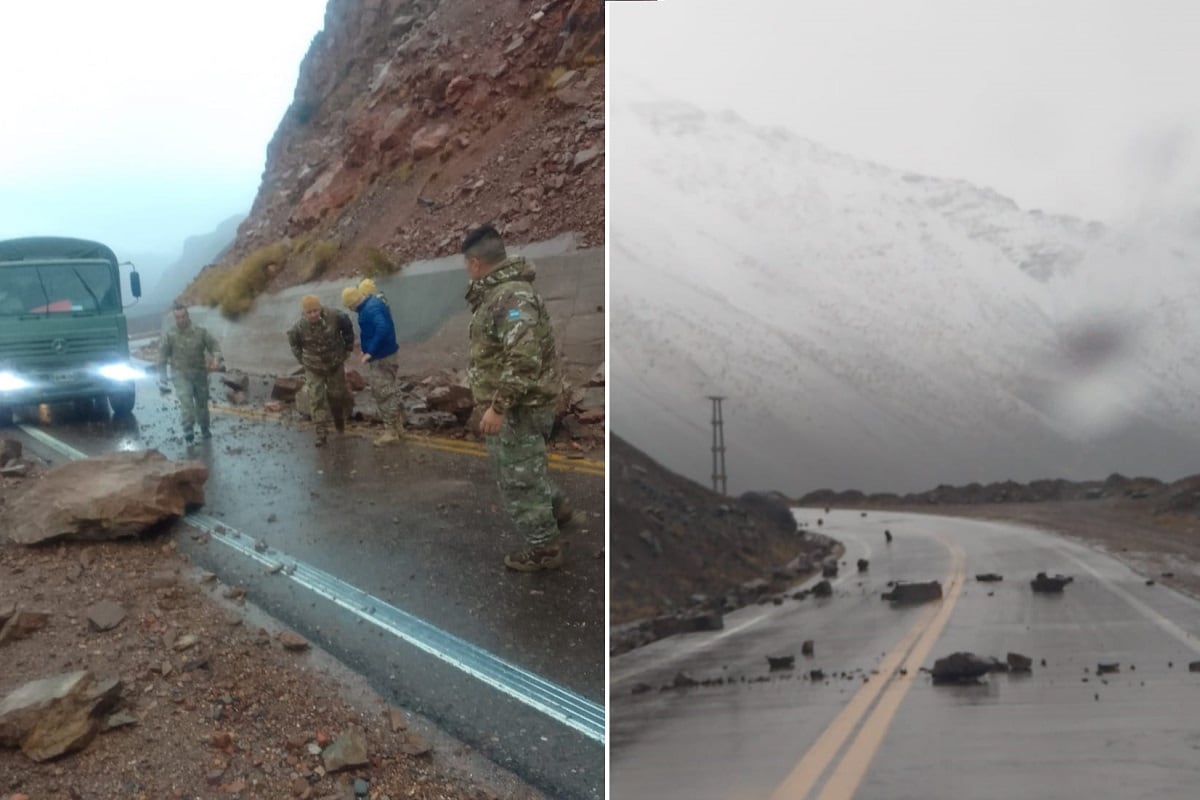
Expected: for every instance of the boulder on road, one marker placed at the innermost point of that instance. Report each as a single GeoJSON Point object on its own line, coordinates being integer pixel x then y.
{"type": "Point", "coordinates": [1046, 584]}
{"type": "Point", "coordinates": [903, 593]}
{"type": "Point", "coordinates": [106, 497]}
{"type": "Point", "coordinates": [285, 388]}
{"type": "Point", "coordinates": [960, 668]}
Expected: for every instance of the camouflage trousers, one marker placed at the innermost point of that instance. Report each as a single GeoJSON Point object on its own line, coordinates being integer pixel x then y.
{"type": "Point", "coordinates": [327, 395]}
{"type": "Point", "coordinates": [383, 377]}
{"type": "Point", "coordinates": [518, 455]}
{"type": "Point", "coordinates": [191, 390]}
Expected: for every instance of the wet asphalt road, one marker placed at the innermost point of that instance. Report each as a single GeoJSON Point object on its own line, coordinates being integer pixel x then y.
{"type": "Point", "coordinates": [1060, 732]}
{"type": "Point", "coordinates": [418, 527]}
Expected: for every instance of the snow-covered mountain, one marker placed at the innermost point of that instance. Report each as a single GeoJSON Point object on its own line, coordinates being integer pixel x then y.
{"type": "Point", "coordinates": [877, 329]}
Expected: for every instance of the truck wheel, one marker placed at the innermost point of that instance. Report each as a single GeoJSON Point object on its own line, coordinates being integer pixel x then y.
{"type": "Point", "coordinates": [122, 402]}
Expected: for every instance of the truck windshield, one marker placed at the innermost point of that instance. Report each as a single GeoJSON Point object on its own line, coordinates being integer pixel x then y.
{"type": "Point", "coordinates": [57, 289]}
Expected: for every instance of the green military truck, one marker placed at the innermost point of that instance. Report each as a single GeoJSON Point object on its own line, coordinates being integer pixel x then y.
{"type": "Point", "coordinates": [62, 326]}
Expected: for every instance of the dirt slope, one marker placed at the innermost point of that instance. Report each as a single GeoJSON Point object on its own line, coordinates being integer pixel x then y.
{"type": "Point", "coordinates": [671, 538]}
{"type": "Point", "coordinates": [415, 119]}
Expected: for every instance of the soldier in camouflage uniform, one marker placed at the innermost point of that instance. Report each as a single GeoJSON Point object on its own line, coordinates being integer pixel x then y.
{"type": "Point", "coordinates": [514, 374]}
{"type": "Point", "coordinates": [321, 342]}
{"type": "Point", "coordinates": [183, 348]}
{"type": "Point", "coordinates": [377, 334]}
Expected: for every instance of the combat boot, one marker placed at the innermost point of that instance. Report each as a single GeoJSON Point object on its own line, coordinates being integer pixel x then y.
{"type": "Point", "coordinates": [534, 559]}
{"type": "Point", "coordinates": [564, 513]}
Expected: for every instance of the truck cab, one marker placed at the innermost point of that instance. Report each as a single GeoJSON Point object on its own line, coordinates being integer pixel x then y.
{"type": "Point", "coordinates": [63, 335]}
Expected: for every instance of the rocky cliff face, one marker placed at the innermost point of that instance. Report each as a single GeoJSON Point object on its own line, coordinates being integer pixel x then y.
{"type": "Point", "coordinates": [415, 119]}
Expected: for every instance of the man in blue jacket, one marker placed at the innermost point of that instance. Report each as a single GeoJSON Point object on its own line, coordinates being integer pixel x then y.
{"type": "Point", "coordinates": [377, 335]}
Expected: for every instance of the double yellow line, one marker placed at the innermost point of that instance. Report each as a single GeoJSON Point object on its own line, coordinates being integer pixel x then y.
{"type": "Point", "coordinates": [897, 673]}
{"type": "Point", "coordinates": [443, 443]}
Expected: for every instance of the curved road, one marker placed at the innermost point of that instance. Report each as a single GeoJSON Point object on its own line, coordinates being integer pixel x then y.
{"type": "Point", "coordinates": [399, 573]}
{"type": "Point", "coordinates": [876, 727]}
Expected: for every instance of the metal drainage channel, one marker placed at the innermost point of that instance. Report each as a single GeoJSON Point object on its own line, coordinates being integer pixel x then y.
{"type": "Point", "coordinates": [554, 701]}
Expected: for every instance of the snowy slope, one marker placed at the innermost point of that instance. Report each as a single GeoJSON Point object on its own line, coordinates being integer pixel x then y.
{"type": "Point", "coordinates": [876, 329]}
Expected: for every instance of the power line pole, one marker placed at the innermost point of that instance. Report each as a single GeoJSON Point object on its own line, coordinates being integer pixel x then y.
{"type": "Point", "coordinates": [718, 446]}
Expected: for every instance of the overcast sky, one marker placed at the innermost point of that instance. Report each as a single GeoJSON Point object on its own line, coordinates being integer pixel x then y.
{"type": "Point", "coordinates": [142, 122]}
{"type": "Point", "coordinates": [1088, 108]}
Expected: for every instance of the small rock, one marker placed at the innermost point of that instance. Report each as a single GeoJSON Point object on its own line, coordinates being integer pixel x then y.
{"type": "Point", "coordinates": [780, 662]}
{"type": "Point", "coordinates": [806, 649]}
{"type": "Point", "coordinates": [396, 719]}
{"type": "Point", "coordinates": [1020, 663]}
{"type": "Point", "coordinates": [583, 158]}
{"type": "Point", "coordinates": [105, 615]}
{"type": "Point", "coordinates": [293, 642]}
{"type": "Point", "coordinates": [348, 750]}
{"type": "Point", "coordinates": [415, 745]}
{"type": "Point", "coordinates": [185, 642]}
{"type": "Point", "coordinates": [22, 624]}
{"type": "Point", "coordinates": [120, 720]}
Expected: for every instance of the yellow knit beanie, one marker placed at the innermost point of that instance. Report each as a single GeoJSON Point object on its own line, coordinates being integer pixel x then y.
{"type": "Point", "coordinates": [310, 302]}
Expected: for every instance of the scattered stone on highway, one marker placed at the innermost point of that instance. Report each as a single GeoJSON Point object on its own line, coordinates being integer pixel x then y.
{"type": "Point", "coordinates": [823, 589]}
{"type": "Point", "coordinates": [961, 668]}
{"type": "Point", "coordinates": [1194, 666]}
{"type": "Point", "coordinates": [780, 662]}
{"type": "Point", "coordinates": [806, 649]}
{"type": "Point", "coordinates": [1045, 584]}
{"type": "Point", "coordinates": [903, 592]}
{"type": "Point", "coordinates": [863, 565]}
{"type": "Point", "coordinates": [1020, 663]}
{"type": "Point", "coordinates": [829, 569]}
{"type": "Point", "coordinates": [887, 535]}
{"type": "Point", "coordinates": [989, 577]}
{"type": "Point", "coordinates": [1104, 669]}
{"type": "Point", "coordinates": [816, 675]}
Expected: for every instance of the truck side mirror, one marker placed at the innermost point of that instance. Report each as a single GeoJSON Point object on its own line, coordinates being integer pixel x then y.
{"type": "Point", "coordinates": [135, 283]}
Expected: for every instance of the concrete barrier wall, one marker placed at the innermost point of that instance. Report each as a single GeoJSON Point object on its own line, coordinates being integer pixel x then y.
{"type": "Point", "coordinates": [428, 305]}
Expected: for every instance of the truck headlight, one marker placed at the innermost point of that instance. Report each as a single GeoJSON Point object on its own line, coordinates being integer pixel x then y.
{"type": "Point", "coordinates": [12, 382]}
{"type": "Point", "coordinates": [120, 372]}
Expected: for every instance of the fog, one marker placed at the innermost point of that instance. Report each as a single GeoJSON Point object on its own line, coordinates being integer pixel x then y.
{"type": "Point", "coordinates": [140, 123]}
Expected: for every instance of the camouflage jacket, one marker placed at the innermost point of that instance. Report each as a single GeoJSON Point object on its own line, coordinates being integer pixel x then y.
{"type": "Point", "coordinates": [322, 346]}
{"type": "Point", "coordinates": [184, 349]}
{"type": "Point", "coordinates": [513, 358]}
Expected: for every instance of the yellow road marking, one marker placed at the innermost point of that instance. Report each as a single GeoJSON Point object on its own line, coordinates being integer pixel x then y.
{"type": "Point", "coordinates": [919, 637]}
{"type": "Point", "coordinates": [853, 767]}
{"type": "Point", "coordinates": [556, 461]}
